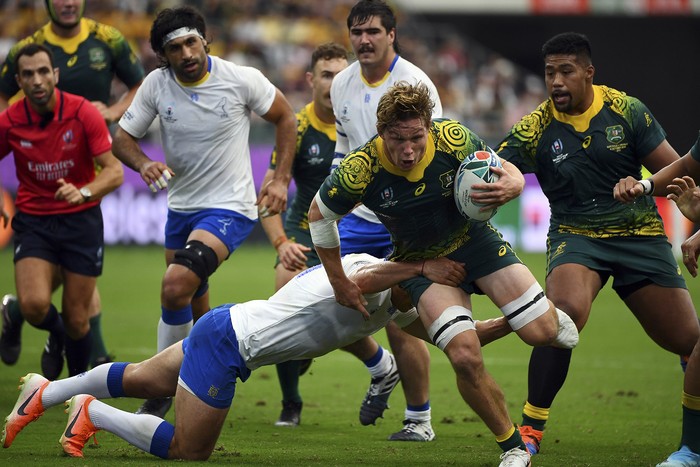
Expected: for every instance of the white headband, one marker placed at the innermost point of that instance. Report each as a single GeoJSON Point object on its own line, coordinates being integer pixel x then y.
{"type": "Point", "coordinates": [181, 32]}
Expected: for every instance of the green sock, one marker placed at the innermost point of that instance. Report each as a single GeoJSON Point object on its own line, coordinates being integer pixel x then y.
{"type": "Point", "coordinates": [98, 346]}
{"type": "Point", "coordinates": [14, 311]}
{"type": "Point", "coordinates": [513, 440]}
{"type": "Point", "coordinates": [288, 374]}
{"type": "Point", "coordinates": [691, 429]}
{"type": "Point", "coordinates": [534, 422]}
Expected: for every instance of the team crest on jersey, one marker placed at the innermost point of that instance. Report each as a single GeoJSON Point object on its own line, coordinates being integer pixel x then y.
{"type": "Point", "coordinates": [388, 198]}
{"type": "Point", "coordinates": [615, 133]}
{"type": "Point", "coordinates": [344, 113]}
{"type": "Point", "coordinates": [447, 179]}
{"type": "Point", "coordinates": [97, 59]}
{"type": "Point", "coordinates": [557, 147]}
{"type": "Point", "coordinates": [169, 115]}
{"type": "Point", "coordinates": [616, 136]}
{"type": "Point", "coordinates": [314, 150]}
{"type": "Point", "coordinates": [221, 107]}
{"type": "Point", "coordinates": [68, 136]}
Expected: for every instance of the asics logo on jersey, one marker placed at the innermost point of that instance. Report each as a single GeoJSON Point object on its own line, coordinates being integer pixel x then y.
{"type": "Point", "coordinates": [224, 225]}
{"type": "Point", "coordinates": [20, 410]}
{"type": "Point", "coordinates": [69, 433]}
{"type": "Point", "coordinates": [72, 60]}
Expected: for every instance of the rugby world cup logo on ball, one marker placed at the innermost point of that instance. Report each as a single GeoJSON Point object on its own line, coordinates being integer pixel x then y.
{"type": "Point", "coordinates": [475, 169]}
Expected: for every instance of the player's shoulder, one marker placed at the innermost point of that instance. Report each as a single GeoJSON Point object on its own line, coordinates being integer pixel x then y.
{"type": "Point", "coordinates": [103, 32]}
{"type": "Point", "coordinates": [620, 102]}
{"type": "Point", "coordinates": [533, 124]}
{"type": "Point", "coordinates": [346, 75]}
{"type": "Point", "coordinates": [74, 106]}
{"type": "Point", "coordinates": [453, 137]}
{"type": "Point", "coordinates": [405, 70]}
{"type": "Point", "coordinates": [38, 37]}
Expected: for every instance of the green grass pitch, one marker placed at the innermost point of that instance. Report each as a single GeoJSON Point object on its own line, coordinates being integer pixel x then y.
{"type": "Point", "coordinates": [619, 407]}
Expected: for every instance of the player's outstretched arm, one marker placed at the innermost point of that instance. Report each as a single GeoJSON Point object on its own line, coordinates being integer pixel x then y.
{"type": "Point", "coordinates": [376, 277]}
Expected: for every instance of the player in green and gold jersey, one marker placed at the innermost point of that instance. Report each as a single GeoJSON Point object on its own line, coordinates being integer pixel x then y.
{"type": "Point", "coordinates": [580, 142]}
{"type": "Point", "coordinates": [405, 175]}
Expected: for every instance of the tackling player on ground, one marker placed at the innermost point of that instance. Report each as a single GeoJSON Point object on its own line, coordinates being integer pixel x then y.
{"type": "Point", "coordinates": [300, 321]}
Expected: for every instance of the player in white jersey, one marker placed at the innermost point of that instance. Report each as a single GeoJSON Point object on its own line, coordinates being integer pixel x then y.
{"type": "Point", "coordinates": [355, 93]}
{"type": "Point", "coordinates": [203, 104]}
{"type": "Point", "coordinates": [302, 320]}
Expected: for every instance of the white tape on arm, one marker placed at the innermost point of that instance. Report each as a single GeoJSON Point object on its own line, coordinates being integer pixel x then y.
{"type": "Point", "coordinates": [324, 232]}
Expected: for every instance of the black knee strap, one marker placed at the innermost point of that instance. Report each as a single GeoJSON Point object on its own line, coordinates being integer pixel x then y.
{"type": "Point", "coordinates": [198, 258]}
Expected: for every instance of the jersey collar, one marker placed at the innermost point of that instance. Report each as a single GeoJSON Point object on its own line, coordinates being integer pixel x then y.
{"type": "Point", "coordinates": [583, 121]}
{"type": "Point", "coordinates": [68, 44]}
{"type": "Point", "coordinates": [416, 173]}
{"type": "Point", "coordinates": [384, 78]}
{"type": "Point", "coordinates": [326, 128]}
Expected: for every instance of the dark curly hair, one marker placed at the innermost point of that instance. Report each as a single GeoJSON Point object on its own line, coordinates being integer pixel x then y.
{"type": "Point", "coordinates": [365, 9]}
{"type": "Point", "coordinates": [569, 43]}
{"type": "Point", "coordinates": [171, 19]}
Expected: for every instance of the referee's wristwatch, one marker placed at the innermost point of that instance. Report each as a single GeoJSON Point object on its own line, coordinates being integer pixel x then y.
{"type": "Point", "coordinates": [87, 194]}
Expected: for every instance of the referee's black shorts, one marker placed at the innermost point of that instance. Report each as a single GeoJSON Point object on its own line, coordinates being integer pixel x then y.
{"type": "Point", "coordinates": [73, 241]}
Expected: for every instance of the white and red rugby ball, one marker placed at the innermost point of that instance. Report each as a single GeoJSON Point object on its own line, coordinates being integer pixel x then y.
{"type": "Point", "coordinates": [475, 169]}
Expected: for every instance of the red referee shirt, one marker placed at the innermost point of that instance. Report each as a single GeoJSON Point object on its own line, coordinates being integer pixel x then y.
{"type": "Point", "coordinates": [64, 148]}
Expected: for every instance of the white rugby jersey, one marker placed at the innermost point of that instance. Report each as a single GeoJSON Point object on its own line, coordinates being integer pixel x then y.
{"type": "Point", "coordinates": [204, 131]}
{"type": "Point", "coordinates": [303, 320]}
{"type": "Point", "coordinates": [355, 104]}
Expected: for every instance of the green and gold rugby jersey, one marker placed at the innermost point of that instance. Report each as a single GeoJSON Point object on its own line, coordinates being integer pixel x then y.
{"type": "Point", "coordinates": [312, 164]}
{"type": "Point", "coordinates": [579, 159]}
{"type": "Point", "coordinates": [417, 207]}
{"type": "Point", "coordinates": [87, 62]}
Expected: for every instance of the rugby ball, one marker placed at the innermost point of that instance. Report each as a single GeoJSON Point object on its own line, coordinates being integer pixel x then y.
{"type": "Point", "coordinates": [475, 169]}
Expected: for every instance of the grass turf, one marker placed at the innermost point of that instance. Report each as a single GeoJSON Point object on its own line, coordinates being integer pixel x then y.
{"type": "Point", "coordinates": [620, 405]}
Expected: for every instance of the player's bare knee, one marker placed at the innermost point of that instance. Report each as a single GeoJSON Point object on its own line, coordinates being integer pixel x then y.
{"type": "Point", "coordinates": [465, 358]}
{"type": "Point", "coordinates": [541, 331]}
{"type": "Point", "coordinates": [34, 309]}
{"type": "Point", "coordinates": [188, 451]}
{"type": "Point", "coordinates": [76, 324]}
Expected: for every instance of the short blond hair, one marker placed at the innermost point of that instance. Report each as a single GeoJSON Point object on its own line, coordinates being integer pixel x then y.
{"type": "Point", "coordinates": [404, 101]}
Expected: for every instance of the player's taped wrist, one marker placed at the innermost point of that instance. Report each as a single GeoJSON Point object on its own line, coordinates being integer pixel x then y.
{"type": "Point", "coordinates": [279, 240]}
{"type": "Point", "coordinates": [648, 185]}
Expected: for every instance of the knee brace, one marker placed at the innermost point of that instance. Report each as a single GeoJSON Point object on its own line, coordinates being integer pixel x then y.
{"type": "Point", "coordinates": [454, 320]}
{"type": "Point", "coordinates": [198, 258]}
{"type": "Point", "coordinates": [526, 308]}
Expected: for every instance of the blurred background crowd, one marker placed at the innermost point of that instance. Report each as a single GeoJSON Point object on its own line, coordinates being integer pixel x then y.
{"type": "Point", "coordinates": [478, 87]}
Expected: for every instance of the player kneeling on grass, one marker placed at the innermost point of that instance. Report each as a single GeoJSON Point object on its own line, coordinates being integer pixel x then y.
{"type": "Point", "coordinates": [302, 320]}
